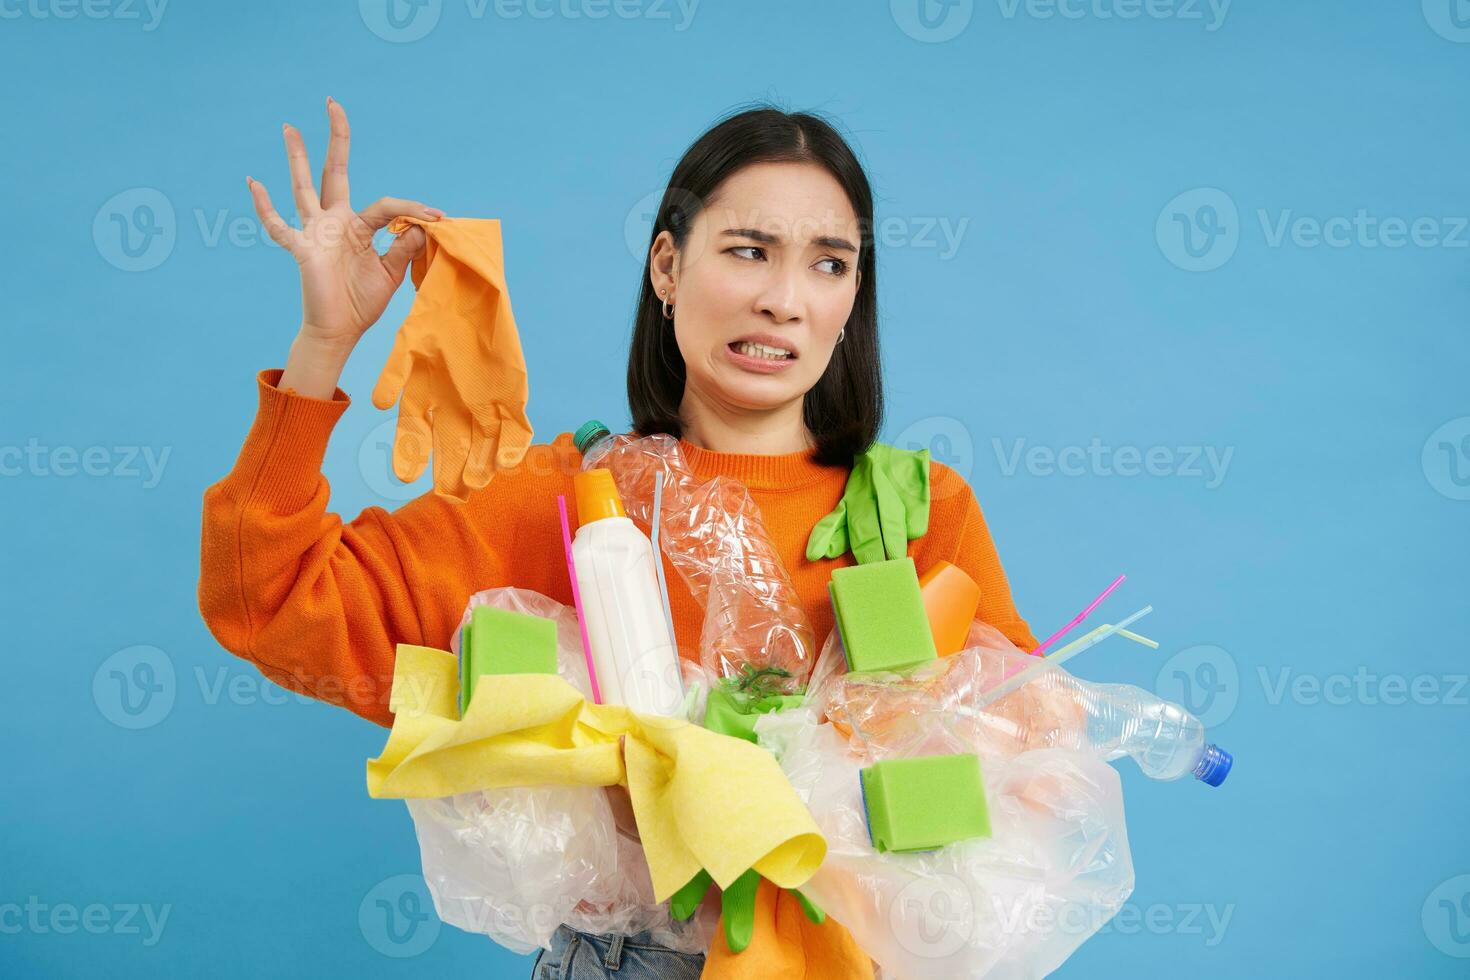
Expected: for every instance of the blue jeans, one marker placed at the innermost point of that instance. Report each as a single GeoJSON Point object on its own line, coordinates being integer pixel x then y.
{"type": "Point", "coordinates": [582, 956]}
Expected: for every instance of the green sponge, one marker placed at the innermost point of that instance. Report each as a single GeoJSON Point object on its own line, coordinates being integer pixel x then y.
{"type": "Point", "coordinates": [922, 804]}
{"type": "Point", "coordinates": [880, 615]}
{"type": "Point", "coordinates": [498, 641]}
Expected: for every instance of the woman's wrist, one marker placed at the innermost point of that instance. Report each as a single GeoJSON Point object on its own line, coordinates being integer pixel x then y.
{"type": "Point", "coordinates": [313, 367]}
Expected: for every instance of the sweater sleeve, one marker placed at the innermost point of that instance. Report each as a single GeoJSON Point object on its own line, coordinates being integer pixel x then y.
{"type": "Point", "coordinates": [975, 554]}
{"type": "Point", "coordinates": [317, 605]}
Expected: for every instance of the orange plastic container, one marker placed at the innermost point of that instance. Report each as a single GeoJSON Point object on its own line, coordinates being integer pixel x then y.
{"type": "Point", "coordinates": [951, 599]}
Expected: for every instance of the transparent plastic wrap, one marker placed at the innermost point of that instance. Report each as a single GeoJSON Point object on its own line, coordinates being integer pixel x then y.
{"type": "Point", "coordinates": [1057, 865]}
{"type": "Point", "coordinates": [515, 863]}
{"type": "Point", "coordinates": [1016, 904]}
{"type": "Point", "coordinates": [712, 531]}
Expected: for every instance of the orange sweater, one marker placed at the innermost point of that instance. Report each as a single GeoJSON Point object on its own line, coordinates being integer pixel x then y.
{"type": "Point", "coordinates": [320, 606]}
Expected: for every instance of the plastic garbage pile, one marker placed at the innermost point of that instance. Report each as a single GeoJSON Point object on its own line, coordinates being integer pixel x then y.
{"type": "Point", "coordinates": [973, 826]}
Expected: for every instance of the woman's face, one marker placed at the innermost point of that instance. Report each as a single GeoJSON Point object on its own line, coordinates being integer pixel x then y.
{"type": "Point", "coordinates": [770, 260]}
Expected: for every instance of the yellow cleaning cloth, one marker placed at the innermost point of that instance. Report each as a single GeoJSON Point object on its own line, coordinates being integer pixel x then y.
{"type": "Point", "coordinates": [457, 361]}
{"type": "Point", "coordinates": [701, 799]}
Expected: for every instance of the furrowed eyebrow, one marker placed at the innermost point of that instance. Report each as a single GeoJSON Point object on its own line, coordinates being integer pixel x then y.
{"type": "Point", "coordinates": [766, 238]}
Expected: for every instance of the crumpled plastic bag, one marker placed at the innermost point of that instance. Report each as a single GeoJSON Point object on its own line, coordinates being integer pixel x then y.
{"type": "Point", "coordinates": [515, 863]}
{"type": "Point", "coordinates": [1057, 865]}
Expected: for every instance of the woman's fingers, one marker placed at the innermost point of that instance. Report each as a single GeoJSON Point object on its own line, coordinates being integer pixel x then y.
{"type": "Point", "coordinates": [334, 171]}
{"type": "Point", "coordinates": [402, 251]}
{"type": "Point", "coordinates": [275, 226]}
{"type": "Point", "coordinates": [307, 204]}
{"type": "Point", "coordinates": [385, 209]}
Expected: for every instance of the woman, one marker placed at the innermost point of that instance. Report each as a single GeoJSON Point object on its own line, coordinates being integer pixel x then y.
{"type": "Point", "coordinates": [755, 343]}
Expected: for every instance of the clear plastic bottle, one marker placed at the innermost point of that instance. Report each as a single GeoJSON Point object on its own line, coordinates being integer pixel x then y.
{"type": "Point", "coordinates": [1058, 710]}
{"type": "Point", "coordinates": [1164, 739]}
{"type": "Point", "coordinates": [713, 533]}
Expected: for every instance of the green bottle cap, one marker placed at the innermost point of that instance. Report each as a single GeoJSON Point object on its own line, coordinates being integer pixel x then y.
{"type": "Point", "coordinates": [590, 432]}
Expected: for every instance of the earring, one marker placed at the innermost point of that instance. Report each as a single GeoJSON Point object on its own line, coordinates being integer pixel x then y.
{"type": "Point", "coordinates": [668, 310]}
{"type": "Point", "coordinates": [840, 334]}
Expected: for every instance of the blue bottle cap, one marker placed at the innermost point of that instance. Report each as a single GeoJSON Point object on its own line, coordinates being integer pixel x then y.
{"type": "Point", "coordinates": [591, 431]}
{"type": "Point", "coordinates": [1214, 765]}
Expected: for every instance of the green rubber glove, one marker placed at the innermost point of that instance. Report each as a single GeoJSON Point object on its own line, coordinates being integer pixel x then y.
{"type": "Point", "coordinates": [684, 902]}
{"type": "Point", "coordinates": [885, 505]}
{"type": "Point", "coordinates": [737, 906]}
{"type": "Point", "coordinates": [732, 709]}
{"type": "Point", "coordinates": [728, 713]}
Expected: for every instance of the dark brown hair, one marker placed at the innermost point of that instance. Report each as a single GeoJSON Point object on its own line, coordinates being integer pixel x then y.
{"type": "Point", "coordinates": [844, 409]}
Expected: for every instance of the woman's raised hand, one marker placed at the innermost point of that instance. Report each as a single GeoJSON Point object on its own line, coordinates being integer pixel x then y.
{"type": "Point", "coordinates": [345, 283]}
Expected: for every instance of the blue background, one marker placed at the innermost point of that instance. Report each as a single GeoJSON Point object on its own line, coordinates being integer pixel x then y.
{"type": "Point", "coordinates": [1331, 547]}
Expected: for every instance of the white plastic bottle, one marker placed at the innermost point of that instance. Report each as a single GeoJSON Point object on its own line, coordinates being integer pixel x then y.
{"type": "Point", "coordinates": [633, 651]}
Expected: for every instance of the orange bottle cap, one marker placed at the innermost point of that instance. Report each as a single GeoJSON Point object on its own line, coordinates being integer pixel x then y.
{"type": "Point", "coordinates": [597, 496]}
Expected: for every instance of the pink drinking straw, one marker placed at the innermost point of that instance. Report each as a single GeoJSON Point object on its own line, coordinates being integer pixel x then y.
{"type": "Point", "coordinates": [1079, 617]}
{"type": "Point", "coordinates": [566, 540]}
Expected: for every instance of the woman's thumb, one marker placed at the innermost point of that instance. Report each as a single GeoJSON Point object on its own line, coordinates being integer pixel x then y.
{"type": "Point", "coordinates": [405, 248]}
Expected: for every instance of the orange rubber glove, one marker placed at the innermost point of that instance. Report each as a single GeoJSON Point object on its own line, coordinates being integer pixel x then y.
{"type": "Point", "coordinates": [786, 944]}
{"type": "Point", "coordinates": [457, 362]}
